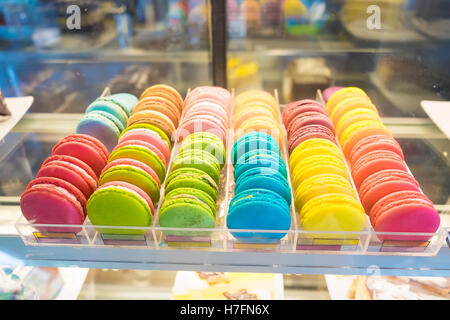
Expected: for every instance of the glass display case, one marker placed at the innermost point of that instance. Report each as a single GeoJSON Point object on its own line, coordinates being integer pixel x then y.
{"type": "Point", "coordinates": [65, 54]}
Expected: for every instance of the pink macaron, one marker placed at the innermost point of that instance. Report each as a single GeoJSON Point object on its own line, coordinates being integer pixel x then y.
{"type": "Point", "coordinates": [308, 118]}
{"type": "Point", "coordinates": [404, 211]}
{"type": "Point", "coordinates": [328, 92]}
{"type": "Point", "coordinates": [310, 132]}
{"type": "Point", "coordinates": [213, 92]}
{"type": "Point", "coordinates": [150, 137]}
{"type": "Point", "coordinates": [375, 161]}
{"type": "Point", "coordinates": [384, 182]}
{"type": "Point", "coordinates": [373, 143]}
{"type": "Point", "coordinates": [142, 143]}
{"type": "Point", "coordinates": [49, 200]}
{"type": "Point", "coordinates": [204, 123]}
{"type": "Point", "coordinates": [71, 170]}
{"type": "Point", "coordinates": [86, 148]}
{"type": "Point", "coordinates": [293, 109]}
{"type": "Point", "coordinates": [204, 107]}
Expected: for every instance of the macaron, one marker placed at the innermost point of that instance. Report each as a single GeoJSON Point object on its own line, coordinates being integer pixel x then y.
{"type": "Point", "coordinates": [259, 158]}
{"type": "Point", "coordinates": [49, 200]}
{"type": "Point", "coordinates": [359, 130]}
{"type": "Point", "coordinates": [350, 104]}
{"type": "Point", "coordinates": [332, 212]}
{"type": "Point", "coordinates": [206, 107]}
{"type": "Point", "coordinates": [101, 125]}
{"type": "Point", "coordinates": [148, 136]}
{"type": "Point", "coordinates": [373, 143]}
{"type": "Point", "coordinates": [309, 118]}
{"type": "Point", "coordinates": [84, 147]}
{"type": "Point", "coordinates": [253, 110]}
{"type": "Point", "coordinates": [214, 93]}
{"type": "Point", "coordinates": [264, 178]}
{"type": "Point", "coordinates": [165, 91]}
{"type": "Point", "coordinates": [328, 92]}
{"type": "Point", "coordinates": [159, 104]}
{"type": "Point", "coordinates": [192, 178]}
{"type": "Point", "coordinates": [201, 123]}
{"type": "Point", "coordinates": [375, 161]}
{"type": "Point", "coordinates": [205, 141]}
{"type": "Point", "coordinates": [119, 203]}
{"type": "Point", "coordinates": [192, 193]}
{"type": "Point", "coordinates": [314, 147]}
{"type": "Point", "coordinates": [355, 115]}
{"type": "Point", "coordinates": [155, 118]}
{"type": "Point", "coordinates": [125, 100]}
{"type": "Point", "coordinates": [253, 141]}
{"type": "Point", "coordinates": [72, 170]}
{"type": "Point", "coordinates": [262, 124]}
{"type": "Point", "coordinates": [258, 209]}
{"type": "Point", "coordinates": [315, 165]}
{"type": "Point", "coordinates": [384, 182]}
{"type": "Point", "coordinates": [404, 211]}
{"type": "Point", "coordinates": [185, 211]}
{"type": "Point", "coordinates": [148, 127]}
{"type": "Point", "coordinates": [199, 159]}
{"type": "Point", "coordinates": [293, 109]}
{"type": "Point", "coordinates": [141, 152]}
{"type": "Point", "coordinates": [255, 95]}
{"type": "Point", "coordinates": [321, 184]}
{"type": "Point", "coordinates": [134, 172]}
{"type": "Point", "coordinates": [312, 131]}
{"type": "Point", "coordinates": [110, 107]}
{"type": "Point", "coordinates": [343, 94]}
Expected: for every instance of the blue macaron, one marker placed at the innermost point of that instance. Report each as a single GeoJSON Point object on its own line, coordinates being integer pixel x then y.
{"type": "Point", "coordinates": [260, 158]}
{"type": "Point", "coordinates": [258, 209]}
{"type": "Point", "coordinates": [252, 141]}
{"type": "Point", "coordinates": [264, 178]}
{"type": "Point", "coordinates": [101, 125]}
{"type": "Point", "coordinates": [125, 100]}
{"type": "Point", "coordinates": [110, 107]}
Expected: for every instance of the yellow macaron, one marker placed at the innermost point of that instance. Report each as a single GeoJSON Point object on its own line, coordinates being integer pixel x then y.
{"type": "Point", "coordinates": [251, 112]}
{"type": "Point", "coordinates": [262, 124]}
{"type": "Point", "coordinates": [350, 104]}
{"type": "Point", "coordinates": [342, 94]}
{"type": "Point", "coordinates": [353, 116]}
{"type": "Point", "coordinates": [333, 212]}
{"type": "Point", "coordinates": [321, 184]}
{"type": "Point", "coordinates": [255, 95]}
{"type": "Point", "coordinates": [315, 165]}
{"type": "Point", "coordinates": [257, 104]}
{"type": "Point", "coordinates": [313, 147]}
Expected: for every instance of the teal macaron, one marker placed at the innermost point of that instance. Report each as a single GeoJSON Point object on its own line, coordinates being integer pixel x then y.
{"type": "Point", "coordinates": [260, 158]}
{"type": "Point", "coordinates": [253, 141]}
{"type": "Point", "coordinates": [264, 178]}
{"type": "Point", "coordinates": [126, 101]}
{"type": "Point", "coordinates": [102, 104]}
{"type": "Point", "coordinates": [258, 209]}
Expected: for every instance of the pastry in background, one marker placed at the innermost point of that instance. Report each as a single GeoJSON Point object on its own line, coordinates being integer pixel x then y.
{"type": "Point", "coordinates": [250, 13]}
{"type": "Point", "coordinates": [304, 76]}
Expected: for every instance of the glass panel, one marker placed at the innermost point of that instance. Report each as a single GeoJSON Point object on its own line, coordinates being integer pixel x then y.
{"type": "Point", "coordinates": [65, 52]}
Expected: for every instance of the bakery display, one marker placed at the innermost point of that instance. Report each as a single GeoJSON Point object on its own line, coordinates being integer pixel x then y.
{"type": "Point", "coordinates": [389, 193]}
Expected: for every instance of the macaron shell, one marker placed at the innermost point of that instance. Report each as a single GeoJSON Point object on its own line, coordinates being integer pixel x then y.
{"type": "Point", "coordinates": [262, 124]}
{"type": "Point", "coordinates": [142, 154]}
{"type": "Point", "coordinates": [342, 94]}
{"type": "Point", "coordinates": [86, 148]}
{"type": "Point", "coordinates": [148, 127]}
{"type": "Point", "coordinates": [101, 128]}
{"type": "Point", "coordinates": [309, 118]}
{"type": "Point", "coordinates": [373, 143]}
{"type": "Point", "coordinates": [328, 92]}
{"type": "Point", "coordinates": [166, 91]}
{"type": "Point", "coordinates": [297, 157]}
{"type": "Point", "coordinates": [198, 159]}
{"type": "Point", "coordinates": [353, 116]}
{"type": "Point", "coordinates": [152, 104]}
{"type": "Point", "coordinates": [126, 100]}
{"type": "Point", "coordinates": [253, 141]}
{"type": "Point", "coordinates": [255, 95]}
{"type": "Point", "coordinates": [310, 132]}
{"type": "Point", "coordinates": [111, 206]}
{"type": "Point", "coordinates": [150, 137]}
{"type": "Point", "coordinates": [195, 194]}
{"type": "Point", "coordinates": [149, 146]}
{"type": "Point", "coordinates": [249, 113]}
{"type": "Point", "coordinates": [201, 124]}
{"type": "Point", "coordinates": [109, 107]}
{"type": "Point", "coordinates": [293, 109]}
{"type": "Point", "coordinates": [154, 118]}
{"type": "Point", "coordinates": [350, 104]}
{"type": "Point", "coordinates": [43, 205]}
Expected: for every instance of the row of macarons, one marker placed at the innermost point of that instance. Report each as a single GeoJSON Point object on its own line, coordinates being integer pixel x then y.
{"type": "Point", "coordinates": [391, 196]}
{"type": "Point", "coordinates": [324, 196]}
{"type": "Point", "coordinates": [262, 195]}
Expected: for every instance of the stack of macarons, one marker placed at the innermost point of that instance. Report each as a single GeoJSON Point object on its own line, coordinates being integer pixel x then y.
{"type": "Point", "coordinates": [206, 109]}
{"type": "Point", "coordinates": [257, 110]}
{"type": "Point", "coordinates": [389, 193]}
{"type": "Point", "coordinates": [161, 106]}
{"type": "Point", "coordinates": [65, 181]}
{"type": "Point", "coordinates": [262, 195]}
{"type": "Point", "coordinates": [130, 184]}
{"type": "Point", "coordinates": [107, 117]}
{"type": "Point", "coordinates": [324, 196]}
{"type": "Point", "coordinates": [192, 187]}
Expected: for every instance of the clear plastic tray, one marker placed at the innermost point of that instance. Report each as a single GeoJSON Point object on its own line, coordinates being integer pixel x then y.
{"type": "Point", "coordinates": [220, 238]}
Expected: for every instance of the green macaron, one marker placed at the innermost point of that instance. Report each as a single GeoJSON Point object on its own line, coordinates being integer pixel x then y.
{"type": "Point", "coordinates": [199, 159]}
{"type": "Point", "coordinates": [192, 193]}
{"type": "Point", "coordinates": [192, 178]}
{"type": "Point", "coordinates": [205, 141]}
{"type": "Point", "coordinates": [185, 212]}
{"type": "Point", "coordinates": [143, 154]}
